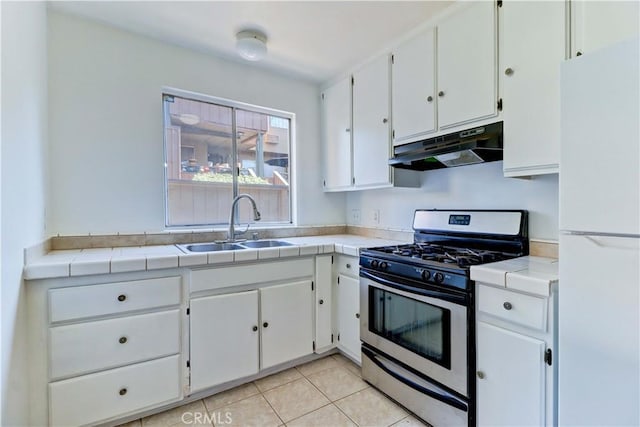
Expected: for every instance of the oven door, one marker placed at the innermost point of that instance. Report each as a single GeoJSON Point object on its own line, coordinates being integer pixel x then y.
{"type": "Point", "coordinates": [420, 326]}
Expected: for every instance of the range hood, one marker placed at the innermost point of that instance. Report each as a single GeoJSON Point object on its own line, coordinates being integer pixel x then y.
{"type": "Point", "coordinates": [467, 147]}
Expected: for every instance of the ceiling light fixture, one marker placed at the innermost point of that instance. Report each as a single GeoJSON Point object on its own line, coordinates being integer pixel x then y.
{"type": "Point", "coordinates": [251, 45]}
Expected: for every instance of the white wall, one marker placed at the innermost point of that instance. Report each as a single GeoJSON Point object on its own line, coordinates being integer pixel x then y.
{"type": "Point", "coordinates": [105, 114]}
{"type": "Point", "coordinates": [471, 187]}
{"type": "Point", "coordinates": [23, 188]}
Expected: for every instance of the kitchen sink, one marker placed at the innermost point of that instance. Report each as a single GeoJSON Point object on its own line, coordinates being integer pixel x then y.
{"type": "Point", "coordinates": [215, 247]}
{"type": "Point", "coordinates": [265, 243]}
{"type": "Point", "coordinates": [211, 247]}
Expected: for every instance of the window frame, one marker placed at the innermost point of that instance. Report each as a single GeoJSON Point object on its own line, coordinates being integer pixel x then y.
{"type": "Point", "coordinates": [234, 105]}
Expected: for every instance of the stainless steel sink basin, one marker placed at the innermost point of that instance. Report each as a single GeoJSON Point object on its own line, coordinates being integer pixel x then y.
{"type": "Point", "coordinates": [211, 247]}
{"type": "Point", "coordinates": [265, 243]}
{"type": "Point", "coordinates": [215, 247]}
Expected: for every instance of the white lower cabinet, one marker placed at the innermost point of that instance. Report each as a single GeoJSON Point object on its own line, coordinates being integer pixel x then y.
{"type": "Point", "coordinates": [348, 307]}
{"type": "Point", "coordinates": [510, 385]}
{"type": "Point", "coordinates": [224, 338]}
{"type": "Point", "coordinates": [93, 398]}
{"type": "Point", "coordinates": [235, 335]}
{"type": "Point", "coordinates": [515, 366]}
{"type": "Point", "coordinates": [324, 303]}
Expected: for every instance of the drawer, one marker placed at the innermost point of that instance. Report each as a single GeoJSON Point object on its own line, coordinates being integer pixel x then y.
{"type": "Point", "coordinates": [216, 278]}
{"type": "Point", "coordinates": [97, 397]}
{"type": "Point", "coordinates": [514, 307]}
{"type": "Point", "coordinates": [92, 346]}
{"type": "Point", "coordinates": [347, 265]}
{"type": "Point", "coordinates": [113, 298]}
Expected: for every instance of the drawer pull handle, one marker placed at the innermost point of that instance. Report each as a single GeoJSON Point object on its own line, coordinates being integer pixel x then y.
{"type": "Point", "coordinates": [122, 297]}
{"type": "Point", "coordinates": [122, 340]}
{"type": "Point", "coordinates": [265, 324]}
{"type": "Point", "coordinates": [123, 391]}
{"type": "Point", "coordinates": [507, 306]}
{"type": "Point", "coordinates": [481, 375]}
{"type": "Point", "coordinates": [357, 315]}
{"type": "Point", "coordinates": [321, 302]}
{"type": "Point", "coordinates": [348, 265]}
{"type": "Point", "coordinates": [255, 328]}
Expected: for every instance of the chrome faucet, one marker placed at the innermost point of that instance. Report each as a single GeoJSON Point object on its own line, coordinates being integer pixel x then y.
{"type": "Point", "coordinates": [231, 233]}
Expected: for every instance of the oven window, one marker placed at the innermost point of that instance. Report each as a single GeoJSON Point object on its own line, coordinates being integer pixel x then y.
{"type": "Point", "coordinates": [415, 325]}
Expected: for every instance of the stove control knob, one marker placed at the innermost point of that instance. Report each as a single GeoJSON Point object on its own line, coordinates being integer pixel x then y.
{"type": "Point", "coordinates": [374, 263]}
{"type": "Point", "coordinates": [383, 265]}
{"type": "Point", "coordinates": [439, 277]}
{"type": "Point", "coordinates": [426, 274]}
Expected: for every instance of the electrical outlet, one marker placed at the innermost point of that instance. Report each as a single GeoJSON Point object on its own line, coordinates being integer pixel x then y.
{"type": "Point", "coordinates": [355, 216]}
{"type": "Point", "coordinates": [375, 216]}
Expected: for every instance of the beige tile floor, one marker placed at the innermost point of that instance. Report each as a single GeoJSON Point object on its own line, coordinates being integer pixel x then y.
{"type": "Point", "coordinates": [328, 392]}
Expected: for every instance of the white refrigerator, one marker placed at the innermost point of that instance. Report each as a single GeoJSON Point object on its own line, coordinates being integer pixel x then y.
{"type": "Point", "coordinates": [599, 299]}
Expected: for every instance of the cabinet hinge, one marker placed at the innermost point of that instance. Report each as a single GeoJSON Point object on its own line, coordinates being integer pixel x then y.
{"type": "Point", "coordinates": [331, 259]}
{"type": "Point", "coordinates": [353, 180]}
{"type": "Point", "coordinates": [338, 337]}
{"type": "Point", "coordinates": [324, 183]}
{"type": "Point", "coordinates": [188, 311]}
{"type": "Point", "coordinates": [393, 134]}
{"type": "Point", "coordinates": [392, 59]}
{"type": "Point", "coordinates": [548, 357]}
{"type": "Point", "coordinates": [331, 337]}
{"type": "Point", "coordinates": [338, 280]}
{"type": "Point", "coordinates": [314, 346]}
{"type": "Point", "coordinates": [322, 96]}
{"type": "Point", "coordinates": [500, 104]}
{"type": "Point", "coordinates": [188, 363]}
{"type": "Point", "coordinates": [311, 285]}
{"type": "Point", "coordinates": [352, 81]}
{"type": "Point", "coordinates": [499, 3]}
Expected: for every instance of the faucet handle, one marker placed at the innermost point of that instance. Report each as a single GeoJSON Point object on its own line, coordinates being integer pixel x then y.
{"type": "Point", "coordinates": [240, 233]}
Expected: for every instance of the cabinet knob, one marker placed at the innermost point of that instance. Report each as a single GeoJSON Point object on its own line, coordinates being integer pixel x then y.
{"type": "Point", "coordinates": [321, 302]}
{"type": "Point", "coordinates": [348, 266]}
{"type": "Point", "coordinates": [578, 53]}
{"type": "Point", "coordinates": [122, 391]}
{"type": "Point", "coordinates": [347, 130]}
{"type": "Point", "coordinates": [429, 98]}
{"type": "Point", "coordinates": [507, 306]}
{"type": "Point", "coordinates": [122, 297]}
{"type": "Point", "coordinates": [385, 120]}
{"type": "Point", "coordinates": [481, 375]}
{"type": "Point", "coordinates": [122, 340]}
{"type": "Point", "coordinates": [265, 324]}
{"type": "Point", "coordinates": [441, 94]}
{"type": "Point", "coordinates": [255, 328]}
{"type": "Point", "coordinates": [508, 71]}
{"type": "Point", "coordinates": [357, 315]}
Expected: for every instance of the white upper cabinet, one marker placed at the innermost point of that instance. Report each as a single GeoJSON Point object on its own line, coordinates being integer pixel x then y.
{"type": "Point", "coordinates": [413, 88]}
{"type": "Point", "coordinates": [336, 113]}
{"type": "Point", "coordinates": [371, 124]}
{"type": "Point", "coordinates": [530, 58]}
{"type": "Point", "coordinates": [467, 78]}
{"type": "Point", "coordinates": [596, 24]}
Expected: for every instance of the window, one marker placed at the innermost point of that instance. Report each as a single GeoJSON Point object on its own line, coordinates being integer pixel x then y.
{"type": "Point", "coordinates": [216, 149]}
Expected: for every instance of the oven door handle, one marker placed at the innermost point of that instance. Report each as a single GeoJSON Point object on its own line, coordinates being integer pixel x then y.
{"type": "Point", "coordinates": [403, 285]}
{"type": "Point", "coordinates": [449, 400]}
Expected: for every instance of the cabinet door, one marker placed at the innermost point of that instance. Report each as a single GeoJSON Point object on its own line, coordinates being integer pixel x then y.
{"type": "Point", "coordinates": [336, 113]}
{"type": "Point", "coordinates": [371, 135]}
{"type": "Point", "coordinates": [467, 65]}
{"type": "Point", "coordinates": [412, 88]}
{"type": "Point", "coordinates": [287, 322]}
{"type": "Point", "coordinates": [323, 303]}
{"type": "Point", "coordinates": [224, 344]}
{"type": "Point", "coordinates": [348, 312]}
{"type": "Point", "coordinates": [597, 24]}
{"type": "Point", "coordinates": [530, 71]}
{"type": "Point", "coordinates": [510, 378]}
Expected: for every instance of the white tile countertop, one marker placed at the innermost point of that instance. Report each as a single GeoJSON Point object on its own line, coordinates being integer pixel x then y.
{"type": "Point", "coordinates": [81, 262]}
{"type": "Point", "coordinates": [530, 274]}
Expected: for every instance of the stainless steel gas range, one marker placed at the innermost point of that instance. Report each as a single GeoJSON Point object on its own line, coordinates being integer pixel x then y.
{"type": "Point", "coordinates": [417, 322]}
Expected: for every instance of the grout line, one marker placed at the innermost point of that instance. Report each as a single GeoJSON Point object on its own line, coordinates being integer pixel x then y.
{"type": "Point", "coordinates": [272, 408]}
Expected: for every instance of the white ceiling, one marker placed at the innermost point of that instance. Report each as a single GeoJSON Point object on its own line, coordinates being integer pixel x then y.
{"type": "Point", "coordinates": [315, 40]}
